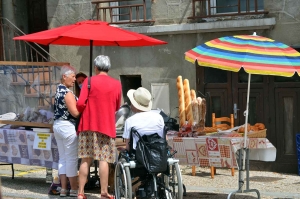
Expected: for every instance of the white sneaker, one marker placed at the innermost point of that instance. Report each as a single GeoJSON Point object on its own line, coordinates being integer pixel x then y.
{"type": "Point", "coordinates": [8, 116]}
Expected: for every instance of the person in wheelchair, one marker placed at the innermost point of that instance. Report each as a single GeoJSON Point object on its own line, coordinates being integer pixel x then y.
{"type": "Point", "coordinates": [144, 121]}
{"type": "Point", "coordinates": [132, 179]}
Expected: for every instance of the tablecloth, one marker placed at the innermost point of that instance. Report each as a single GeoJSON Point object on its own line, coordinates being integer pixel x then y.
{"type": "Point", "coordinates": [207, 151]}
{"type": "Point", "coordinates": [16, 146]}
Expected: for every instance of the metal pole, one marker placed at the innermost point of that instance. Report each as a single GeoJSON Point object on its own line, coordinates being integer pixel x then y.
{"type": "Point", "coordinates": [246, 113]}
{"type": "Point", "coordinates": [91, 58]}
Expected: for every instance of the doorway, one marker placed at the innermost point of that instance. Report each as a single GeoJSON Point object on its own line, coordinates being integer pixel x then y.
{"type": "Point", "coordinates": [129, 82]}
{"type": "Point", "coordinates": [273, 101]}
{"type": "Point", "coordinates": [37, 21]}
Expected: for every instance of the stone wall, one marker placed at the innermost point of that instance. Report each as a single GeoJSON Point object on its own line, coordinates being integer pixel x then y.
{"type": "Point", "coordinates": [287, 16]}
{"type": "Point", "coordinates": [162, 64]}
{"type": "Point", "coordinates": [171, 11]}
{"type": "Point", "coordinates": [62, 12]}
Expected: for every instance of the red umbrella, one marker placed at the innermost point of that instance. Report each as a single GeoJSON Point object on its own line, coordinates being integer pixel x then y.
{"type": "Point", "coordinates": [90, 33]}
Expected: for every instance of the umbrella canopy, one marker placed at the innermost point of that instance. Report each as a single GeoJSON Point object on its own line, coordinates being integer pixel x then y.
{"type": "Point", "coordinates": [90, 33]}
{"type": "Point", "coordinates": [256, 54]}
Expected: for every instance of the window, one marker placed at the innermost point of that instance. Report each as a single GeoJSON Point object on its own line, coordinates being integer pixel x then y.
{"type": "Point", "coordinates": [227, 6]}
{"type": "Point", "coordinates": [123, 12]}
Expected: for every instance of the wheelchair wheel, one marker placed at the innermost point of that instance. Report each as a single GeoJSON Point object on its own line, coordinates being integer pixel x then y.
{"type": "Point", "coordinates": [174, 183]}
{"type": "Point", "coordinates": [123, 186]}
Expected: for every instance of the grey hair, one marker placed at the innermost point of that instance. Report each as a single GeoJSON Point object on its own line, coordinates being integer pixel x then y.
{"type": "Point", "coordinates": [102, 63]}
{"type": "Point", "coordinates": [67, 70]}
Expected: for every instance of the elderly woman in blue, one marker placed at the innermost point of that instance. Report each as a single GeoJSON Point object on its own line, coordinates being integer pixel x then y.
{"type": "Point", "coordinates": [65, 114]}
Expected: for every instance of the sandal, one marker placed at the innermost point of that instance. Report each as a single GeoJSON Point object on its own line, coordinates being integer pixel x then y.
{"type": "Point", "coordinates": [107, 196]}
{"type": "Point", "coordinates": [73, 193]}
{"type": "Point", "coordinates": [63, 192]}
{"type": "Point", "coordinates": [81, 195]}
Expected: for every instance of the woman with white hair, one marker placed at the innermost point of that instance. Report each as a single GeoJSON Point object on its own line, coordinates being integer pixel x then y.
{"type": "Point", "coordinates": [96, 128]}
{"type": "Point", "coordinates": [65, 114]}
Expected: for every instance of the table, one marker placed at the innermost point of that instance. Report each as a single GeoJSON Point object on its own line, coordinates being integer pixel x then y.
{"type": "Point", "coordinates": [16, 147]}
{"type": "Point", "coordinates": [221, 152]}
{"type": "Point", "coordinates": [214, 151]}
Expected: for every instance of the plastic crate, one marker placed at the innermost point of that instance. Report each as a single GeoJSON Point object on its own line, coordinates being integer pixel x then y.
{"type": "Point", "coordinates": [298, 151]}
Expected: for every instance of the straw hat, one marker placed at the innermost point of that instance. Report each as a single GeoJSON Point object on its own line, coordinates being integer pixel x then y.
{"type": "Point", "coordinates": [140, 99]}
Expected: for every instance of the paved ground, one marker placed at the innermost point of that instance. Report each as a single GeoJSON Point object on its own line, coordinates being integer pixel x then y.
{"type": "Point", "coordinates": [30, 182]}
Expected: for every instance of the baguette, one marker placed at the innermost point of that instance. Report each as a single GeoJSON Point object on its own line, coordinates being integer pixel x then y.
{"type": "Point", "coordinates": [188, 102]}
{"type": "Point", "coordinates": [193, 94]}
{"type": "Point", "coordinates": [181, 104]}
{"type": "Point", "coordinates": [203, 113]}
{"type": "Point", "coordinates": [199, 99]}
{"type": "Point", "coordinates": [195, 110]}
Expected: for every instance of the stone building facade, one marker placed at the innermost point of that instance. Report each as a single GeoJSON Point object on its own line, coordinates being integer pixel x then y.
{"type": "Point", "coordinates": [161, 65]}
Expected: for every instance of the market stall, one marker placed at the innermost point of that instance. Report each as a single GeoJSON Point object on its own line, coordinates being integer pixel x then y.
{"type": "Point", "coordinates": [218, 151]}
{"type": "Point", "coordinates": [18, 146]}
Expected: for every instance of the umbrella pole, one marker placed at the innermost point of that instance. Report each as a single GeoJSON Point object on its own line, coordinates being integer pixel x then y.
{"type": "Point", "coordinates": [246, 113]}
{"type": "Point", "coordinates": [245, 137]}
{"type": "Point", "coordinates": [91, 58]}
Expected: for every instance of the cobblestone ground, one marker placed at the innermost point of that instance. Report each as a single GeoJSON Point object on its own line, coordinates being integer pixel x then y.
{"type": "Point", "coordinates": [30, 182]}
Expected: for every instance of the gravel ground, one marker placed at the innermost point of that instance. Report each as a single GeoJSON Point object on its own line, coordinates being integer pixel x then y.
{"type": "Point", "coordinates": [29, 182]}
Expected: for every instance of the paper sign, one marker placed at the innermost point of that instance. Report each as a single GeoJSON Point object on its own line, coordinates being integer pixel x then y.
{"type": "Point", "coordinates": [42, 141]}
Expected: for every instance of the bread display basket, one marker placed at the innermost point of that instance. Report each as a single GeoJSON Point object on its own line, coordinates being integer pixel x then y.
{"type": "Point", "coordinates": [257, 134]}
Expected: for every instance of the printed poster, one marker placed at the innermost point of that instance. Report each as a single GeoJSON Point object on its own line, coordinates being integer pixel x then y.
{"type": "Point", "coordinates": [42, 141]}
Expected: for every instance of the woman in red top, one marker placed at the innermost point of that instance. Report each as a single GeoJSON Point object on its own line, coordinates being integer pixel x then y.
{"type": "Point", "coordinates": [97, 124]}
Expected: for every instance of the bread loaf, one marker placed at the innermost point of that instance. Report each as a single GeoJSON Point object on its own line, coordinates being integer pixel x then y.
{"type": "Point", "coordinates": [203, 113]}
{"type": "Point", "coordinates": [181, 104]}
{"type": "Point", "coordinates": [199, 99]}
{"type": "Point", "coordinates": [188, 102]}
{"type": "Point", "coordinates": [193, 94]}
{"type": "Point", "coordinates": [195, 110]}
{"type": "Point", "coordinates": [260, 126]}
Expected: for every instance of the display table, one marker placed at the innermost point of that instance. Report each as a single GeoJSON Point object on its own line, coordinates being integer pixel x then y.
{"type": "Point", "coordinates": [206, 151]}
{"type": "Point", "coordinates": [223, 152]}
{"type": "Point", "coordinates": [16, 147]}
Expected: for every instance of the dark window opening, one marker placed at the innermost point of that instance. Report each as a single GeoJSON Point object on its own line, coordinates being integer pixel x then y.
{"type": "Point", "coordinates": [243, 77]}
{"type": "Point", "coordinates": [133, 10]}
{"type": "Point", "coordinates": [213, 75]}
{"type": "Point", "coordinates": [129, 82]}
{"type": "Point", "coordinates": [245, 5]}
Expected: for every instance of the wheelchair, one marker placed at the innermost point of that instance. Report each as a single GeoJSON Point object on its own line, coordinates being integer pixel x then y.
{"type": "Point", "coordinates": [129, 173]}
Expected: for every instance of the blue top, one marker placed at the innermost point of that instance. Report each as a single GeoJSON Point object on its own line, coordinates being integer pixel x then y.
{"type": "Point", "coordinates": [60, 108]}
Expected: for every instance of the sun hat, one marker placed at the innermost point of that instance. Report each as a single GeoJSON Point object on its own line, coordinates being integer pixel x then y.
{"type": "Point", "coordinates": [140, 99]}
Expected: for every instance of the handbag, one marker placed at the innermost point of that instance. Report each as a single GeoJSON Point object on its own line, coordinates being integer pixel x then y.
{"type": "Point", "coordinates": [78, 118]}
{"type": "Point", "coordinates": [151, 152]}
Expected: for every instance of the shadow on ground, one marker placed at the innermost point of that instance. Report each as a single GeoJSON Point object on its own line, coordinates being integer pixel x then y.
{"type": "Point", "coordinates": [196, 195]}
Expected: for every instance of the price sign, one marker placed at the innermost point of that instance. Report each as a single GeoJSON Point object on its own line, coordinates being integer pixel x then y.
{"type": "Point", "coordinates": [42, 141]}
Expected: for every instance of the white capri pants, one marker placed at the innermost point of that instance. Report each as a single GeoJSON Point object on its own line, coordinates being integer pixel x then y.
{"type": "Point", "coordinates": [67, 143]}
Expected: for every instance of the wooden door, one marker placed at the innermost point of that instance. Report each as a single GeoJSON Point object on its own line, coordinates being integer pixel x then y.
{"type": "Point", "coordinates": [224, 89]}
{"type": "Point", "coordinates": [273, 101]}
{"type": "Point", "coordinates": [215, 86]}
{"type": "Point", "coordinates": [258, 95]}
{"type": "Point", "coordinates": [287, 125]}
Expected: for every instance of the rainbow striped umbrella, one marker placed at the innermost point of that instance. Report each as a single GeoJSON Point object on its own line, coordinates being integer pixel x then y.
{"type": "Point", "coordinates": [256, 54]}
